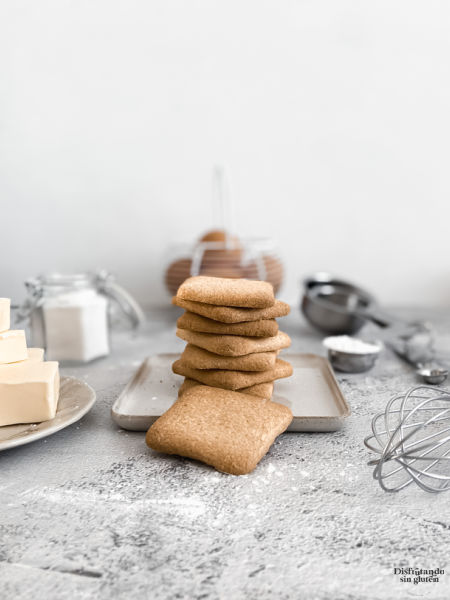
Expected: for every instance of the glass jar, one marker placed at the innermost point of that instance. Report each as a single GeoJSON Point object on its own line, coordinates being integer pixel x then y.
{"type": "Point", "coordinates": [68, 314]}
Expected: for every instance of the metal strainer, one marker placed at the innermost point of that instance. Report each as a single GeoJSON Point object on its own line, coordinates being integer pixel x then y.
{"type": "Point", "coordinates": [412, 437]}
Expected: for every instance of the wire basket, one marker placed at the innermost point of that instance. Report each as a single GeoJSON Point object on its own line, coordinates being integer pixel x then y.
{"type": "Point", "coordinates": [220, 255]}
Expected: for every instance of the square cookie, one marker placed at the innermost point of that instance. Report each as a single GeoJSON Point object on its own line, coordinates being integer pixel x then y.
{"type": "Point", "coordinates": [262, 390]}
{"type": "Point", "coordinates": [198, 358]}
{"type": "Point", "coordinates": [227, 430]}
{"type": "Point", "coordinates": [233, 380]}
{"type": "Point", "coordinates": [234, 345]}
{"type": "Point", "coordinates": [232, 314]}
{"type": "Point", "coordinates": [222, 291]}
{"type": "Point", "coordinates": [187, 385]}
{"type": "Point", "coordinates": [260, 328]}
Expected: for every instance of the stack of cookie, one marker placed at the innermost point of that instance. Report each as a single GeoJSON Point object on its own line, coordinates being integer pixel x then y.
{"type": "Point", "coordinates": [224, 415]}
{"type": "Point", "coordinates": [232, 336]}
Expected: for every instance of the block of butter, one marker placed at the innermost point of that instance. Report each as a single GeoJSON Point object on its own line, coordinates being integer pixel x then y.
{"type": "Point", "coordinates": [13, 346]}
{"type": "Point", "coordinates": [29, 392]}
{"type": "Point", "coordinates": [5, 311]}
{"type": "Point", "coordinates": [34, 354]}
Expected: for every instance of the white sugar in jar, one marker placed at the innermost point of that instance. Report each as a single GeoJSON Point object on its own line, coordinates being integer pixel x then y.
{"type": "Point", "coordinates": [76, 326]}
{"type": "Point", "coordinates": [69, 314]}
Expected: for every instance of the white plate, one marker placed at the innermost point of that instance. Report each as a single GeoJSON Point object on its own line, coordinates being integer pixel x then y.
{"type": "Point", "coordinates": [75, 400]}
{"type": "Point", "coordinates": [312, 393]}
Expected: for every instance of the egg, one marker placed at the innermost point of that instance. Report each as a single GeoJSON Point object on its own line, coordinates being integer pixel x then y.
{"type": "Point", "coordinates": [223, 253]}
{"type": "Point", "coordinates": [176, 273]}
{"type": "Point", "coordinates": [223, 259]}
{"type": "Point", "coordinates": [273, 271]}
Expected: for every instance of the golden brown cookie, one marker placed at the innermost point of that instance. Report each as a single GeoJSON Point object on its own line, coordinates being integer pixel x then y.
{"type": "Point", "coordinates": [234, 345]}
{"type": "Point", "coordinates": [187, 385]}
{"type": "Point", "coordinates": [261, 328]}
{"type": "Point", "coordinates": [262, 390]}
{"type": "Point", "coordinates": [231, 314]}
{"type": "Point", "coordinates": [233, 380]}
{"type": "Point", "coordinates": [228, 430]}
{"type": "Point", "coordinates": [198, 358]}
{"type": "Point", "coordinates": [227, 292]}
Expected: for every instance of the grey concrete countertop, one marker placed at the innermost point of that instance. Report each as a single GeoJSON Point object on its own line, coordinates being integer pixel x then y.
{"type": "Point", "coordinates": [90, 512]}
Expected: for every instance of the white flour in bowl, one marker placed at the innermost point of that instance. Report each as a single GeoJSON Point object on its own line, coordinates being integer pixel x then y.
{"type": "Point", "coordinates": [350, 345]}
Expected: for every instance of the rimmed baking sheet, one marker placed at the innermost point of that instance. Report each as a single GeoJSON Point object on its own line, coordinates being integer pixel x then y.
{"type": "Point", "coordinates": [312, 393]}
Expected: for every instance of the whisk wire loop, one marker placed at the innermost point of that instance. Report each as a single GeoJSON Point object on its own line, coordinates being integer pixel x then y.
{"type": "Point", "coordinates": [412, 439]}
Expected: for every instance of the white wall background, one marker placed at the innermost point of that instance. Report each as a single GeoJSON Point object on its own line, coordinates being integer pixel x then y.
{"type": "Point", "coordinates": [332, 115]}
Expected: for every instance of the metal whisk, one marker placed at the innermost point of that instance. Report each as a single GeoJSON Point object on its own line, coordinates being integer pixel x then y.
{"type": "Point", "coordinates": [412, 437]}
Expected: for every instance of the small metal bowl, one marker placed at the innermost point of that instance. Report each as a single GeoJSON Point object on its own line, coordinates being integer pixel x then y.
{"type": "Point", "coordinates": [433, 376]}
{"type": "Point", "coordinates": [352, 362]}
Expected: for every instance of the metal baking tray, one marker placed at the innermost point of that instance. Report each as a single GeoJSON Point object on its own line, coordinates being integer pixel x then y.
{"type": "Point", "coordinates": [312, 393]}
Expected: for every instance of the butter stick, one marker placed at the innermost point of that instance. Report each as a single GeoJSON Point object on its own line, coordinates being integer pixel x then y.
{"type": "Point", "coordinates": [33, 354]}
{"type": "Point", "coordinates": [13, 346]}
{"type": "Point", "coordinates": [28, 392]}
{"type": "Point", "coordinates": [5, 311]}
